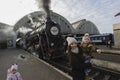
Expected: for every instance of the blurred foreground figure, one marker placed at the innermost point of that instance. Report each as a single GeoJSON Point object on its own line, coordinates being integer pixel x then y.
{"type": "Point", "coordinates": [13, 74]}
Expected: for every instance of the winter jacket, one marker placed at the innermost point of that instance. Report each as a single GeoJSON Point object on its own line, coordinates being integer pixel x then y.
{"type": "Point", "coordinates": [77, 62]}
{"type": "Point", "coordinates": [16, 76]}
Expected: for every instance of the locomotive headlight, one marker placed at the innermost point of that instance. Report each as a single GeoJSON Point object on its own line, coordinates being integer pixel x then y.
{"type": "Point", "coordinates": [54, 30]}
{"type": "Point", "coordinates": [52, 44]}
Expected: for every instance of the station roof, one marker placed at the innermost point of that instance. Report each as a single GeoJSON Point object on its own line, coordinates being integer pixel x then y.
{"type": "Point", "coordinates": [25, 23]}
{"type": "Point", "coordinates": [85, 26]}
{"type": "Point", "coordinates": [4, 26]}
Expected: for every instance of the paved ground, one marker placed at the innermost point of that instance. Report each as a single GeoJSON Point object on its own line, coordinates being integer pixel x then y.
{"type": "Point", "coordinates": [31, 68]}
{"type": "Point", "coordinates": [10, 56]}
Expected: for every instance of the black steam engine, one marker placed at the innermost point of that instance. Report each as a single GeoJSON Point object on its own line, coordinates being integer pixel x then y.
{"type": "Point", "coordinates": [46, 40]}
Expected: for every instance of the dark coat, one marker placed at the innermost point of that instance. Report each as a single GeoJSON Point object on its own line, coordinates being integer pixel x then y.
{"type": "Point", "coordinates": [77, 62]}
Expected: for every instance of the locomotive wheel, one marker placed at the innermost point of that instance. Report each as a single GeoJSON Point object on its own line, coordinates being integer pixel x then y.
{"type": "Point", "coordinates": [48, 56]}
{"type": "Point", "coordinates": [44, 55]}
{"type": "Point", "coordinates": [40, 55]}
{"type": "Point", "coordinates": [39, 52]}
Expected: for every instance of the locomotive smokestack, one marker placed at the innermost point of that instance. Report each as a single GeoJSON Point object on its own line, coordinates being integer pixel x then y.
{"type": "Point", "coordinates": [45, 4]}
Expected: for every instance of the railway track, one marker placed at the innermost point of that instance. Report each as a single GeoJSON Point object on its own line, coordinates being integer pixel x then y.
{"type": "Point", "coordinates": [97, 73]}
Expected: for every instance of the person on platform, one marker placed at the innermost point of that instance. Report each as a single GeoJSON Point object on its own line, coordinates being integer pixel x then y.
{"type": "Point", "coordinates": [110, 40]}
{"type": "Point", "coordinates": [13, 74]}
{"type": "Point", "coordinates": [88, 47]}
{"type": "Point", "coordinates": [76, 59]}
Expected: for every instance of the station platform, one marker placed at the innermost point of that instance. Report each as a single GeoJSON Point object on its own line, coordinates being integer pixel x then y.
{"type": "Point", "coordinates": [108, 58]}
{"type": "Point", "coordinates": [109, 52]}
{"type": "Point", "coordinates": [104, 47]}
{"type": "Point", "coordinates": [30, 67]}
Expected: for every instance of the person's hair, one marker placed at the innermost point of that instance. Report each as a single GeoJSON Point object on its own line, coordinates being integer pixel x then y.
{"type": "Point", "coordinates": [69, 54]}
{"type": "Point", "coordinates": [69, 49]}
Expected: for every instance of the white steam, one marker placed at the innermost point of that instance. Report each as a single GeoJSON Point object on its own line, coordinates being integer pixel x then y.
{"type": "Point", "coordinates": [6, 32]}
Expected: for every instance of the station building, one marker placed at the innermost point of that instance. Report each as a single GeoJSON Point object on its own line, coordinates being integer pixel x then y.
{"type": "Point", "coordinates": [116, 30]}
{"type": "Point", "coordinates": [7, 36]}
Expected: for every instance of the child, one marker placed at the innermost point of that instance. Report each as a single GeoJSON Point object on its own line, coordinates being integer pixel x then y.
{"type": "Point", "coordinates": [88, 48]}
{"type": "Point", "coordinates": [86, 36]}
{"type": "Point", "coordinates": [13, 74]}
{"type": "Point", "coordinates": [87, 60]}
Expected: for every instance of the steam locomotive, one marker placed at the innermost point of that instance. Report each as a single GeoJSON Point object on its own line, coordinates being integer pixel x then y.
{"type": "Point", "coordinates": [46, 40]}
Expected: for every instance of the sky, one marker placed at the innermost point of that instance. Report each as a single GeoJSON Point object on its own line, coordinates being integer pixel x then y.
{"type": "Point", "coordinates": [100, 12]}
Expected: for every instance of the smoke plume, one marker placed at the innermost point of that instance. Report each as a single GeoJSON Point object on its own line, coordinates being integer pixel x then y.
{"type": "Point", "coordinates": [45, 4]}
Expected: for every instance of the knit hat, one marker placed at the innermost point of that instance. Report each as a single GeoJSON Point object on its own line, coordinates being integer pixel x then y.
{"type": "Point", "coordinates": [15, 66]}
{"type": "Point", "coordinates": [71, 40]}
{"type": "Point", "coordinates": [85, 39]}
{"type": "Point", "coordinates": [86, 34]}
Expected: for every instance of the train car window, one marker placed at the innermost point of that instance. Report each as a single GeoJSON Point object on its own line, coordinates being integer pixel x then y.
{"type": "Point", "coordinates": [91, 38]}
{"type": "Point", "coordinates": [103, 38]}
{"type": "Point", "coordinates": [95, 38]}
{"type": "Point", "coordinates": [99, 38]}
